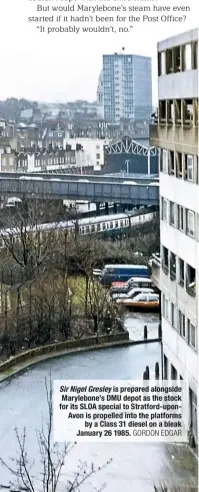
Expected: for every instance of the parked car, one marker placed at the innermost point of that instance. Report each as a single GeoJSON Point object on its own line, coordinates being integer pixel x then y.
{"type": "Point", "coordinates": [143, 301]}
{"type": "Point", "coordinates": [133, 282]}
{"type": "Point", "coordinates": [119, 298]}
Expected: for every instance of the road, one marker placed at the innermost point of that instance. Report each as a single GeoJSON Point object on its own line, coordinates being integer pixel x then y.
{"type": "Point", "coordinates": [134, 467]}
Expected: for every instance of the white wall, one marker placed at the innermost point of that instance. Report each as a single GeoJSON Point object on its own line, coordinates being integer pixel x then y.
{"type": "Point", "coordinates": [178, 85]}
{"type": "Point", "coordinates": [183, 357]}
{"type": "Point", "coordinates": [31, 163]}
{"type": "Point", "coordinates": [90, 146]}
{"type": "Point", "coordinates": [179, 191]}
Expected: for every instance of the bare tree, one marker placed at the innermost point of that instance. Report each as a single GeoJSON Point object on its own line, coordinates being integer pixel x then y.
{"type": "Point", "coordinates": [25, 239]}
{"type": "Point", "coordinates": [52, 461]}
{"type": "Point", "coordinates": [102, 308]}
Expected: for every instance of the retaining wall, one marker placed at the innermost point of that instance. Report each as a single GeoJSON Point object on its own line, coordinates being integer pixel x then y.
{"type": "Point", "coordinates": [58, 347]}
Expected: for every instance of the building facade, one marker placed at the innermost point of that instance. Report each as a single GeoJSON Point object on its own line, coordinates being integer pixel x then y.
{"type": "Point", "coordinates": [100, 96]}
{"type": "Point", "coordinates": [127, 87]}
{"type": "Point", "coordinates": [90, 153]}
{"type": "Point", "coordinates": [131, 156]}
{"type": "Point", "coordinates": [8, 160]}
{"type": "Point", "coordinates": [176, 134]}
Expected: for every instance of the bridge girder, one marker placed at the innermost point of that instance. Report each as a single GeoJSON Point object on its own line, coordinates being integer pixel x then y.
{"type": "Point", "coordinates": [127, 145]}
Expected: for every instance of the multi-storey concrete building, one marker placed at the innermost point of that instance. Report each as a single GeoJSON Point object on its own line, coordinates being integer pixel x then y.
{"type": "Point", "coordinates": [127, 87]}
{"type": "Point", "coordinates": [176, 134]}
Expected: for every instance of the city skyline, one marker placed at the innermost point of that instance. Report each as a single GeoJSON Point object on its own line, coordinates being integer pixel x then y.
{"type": "Point", "coordinates": [62, 68]}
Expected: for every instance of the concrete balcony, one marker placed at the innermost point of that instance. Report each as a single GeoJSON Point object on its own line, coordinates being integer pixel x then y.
{"type": "Point", "coordinates": [176, 138]}
{"type": "Point", "coordinates": [155, 264]}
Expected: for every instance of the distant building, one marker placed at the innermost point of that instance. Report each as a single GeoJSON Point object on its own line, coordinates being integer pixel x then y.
{"type": "Point", "coordinates": [91, 151]}
{"type": "Point", "coordinates": [8, 160]}
{"type": "Point", "coordinates": [2, 123]}
{"type": "Point", "coordinates": [131, 156]}
{"type": "Point", "coordinates": [127, 87]}
{"type": "Point", "coordinates": [56, 159]}
{"type": "Point", "coordinates": [54, 138]}
{"type": "Point", "coordinates": [100, 96]}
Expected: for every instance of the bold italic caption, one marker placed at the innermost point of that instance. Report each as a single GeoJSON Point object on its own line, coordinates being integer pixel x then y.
{"type": "Point", "coordinates": [104, 16]}
{"type": "Point", "coordinates": [115, 411]}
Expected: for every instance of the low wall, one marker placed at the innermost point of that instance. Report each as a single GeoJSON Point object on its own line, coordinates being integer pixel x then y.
{"type": "Point", "coordinates": [63, 346]}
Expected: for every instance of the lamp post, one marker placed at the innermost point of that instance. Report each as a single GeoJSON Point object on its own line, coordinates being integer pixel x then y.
{"type": "Point", "coordinates": [127, 162]}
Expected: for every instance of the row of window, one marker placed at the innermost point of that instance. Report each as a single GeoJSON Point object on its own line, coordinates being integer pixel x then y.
{"type": "Point", "coordinates": [178, 269]}
{"type": "Point", "coordinates": [178, 59]}
{"type": "Point", "coordinates": [178, 111]}
{"type": "Point", "coordinates": [112, 225]}
{"type": "Point", "coordinates": [179, 322]}
{"type": "Point", "coordinates": [183, 219]}
{"type": "Point", "coordinates": [55, 160]}
{"type": "Point", "coordinates": [180, 165]}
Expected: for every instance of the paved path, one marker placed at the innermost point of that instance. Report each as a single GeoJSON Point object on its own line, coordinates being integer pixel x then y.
{"type": "Point", "coordinates": [135, 467]}
{"type": "Point", "coordinates": [134, 323]}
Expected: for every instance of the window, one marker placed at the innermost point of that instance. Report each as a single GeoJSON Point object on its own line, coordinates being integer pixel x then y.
{"type": "Point", "coordinates": [165, 259]}
{"type": "Point", "coordinates": [173, 315]}
{"type": "Point", "coordinates": [152, 297]}
{"type": "Point", "coordinates": [188, 112]}
{"type": "Point", "coordinates": [116, 223]}
{"type": "Point", "coordinates": [170, 111]}
{"type": "Point", "coordinates": [172, 213]}
{"type": "Point", "coordinates": [141, 297]}
{"type": "Point", "coordinates": [164, 209]}
{"type": "Point", "coordinates": [111, 225]}
{"type": "Point", "coordinates": [165, 161]}
{"type": "Point", "coordinates": [191, 281]}
{"type": "Point", "coordinates": [189, 167]}
{"type": "Point", "coordinates": [169, 61]}
{"type": "Point", "coordinates": [98, 227]}
{"type": "Point", "coordinates": [172, 266]}
{"type": "Point", "coordinates": [121, 223]}
{"type": "Point", "coordinates": [177, 59]}
{"type": "Point", "coordinates": [87, 229]}
{"type": "Point", "coordinates": [187, 57]}
{"type": "Point", "coordinates": [178, 111]}
{"type": "Point", "coordinates": [181, 323]}
{"type": "Point", "coordinates": [195, 55]}
{"type": "Point", "coordinates": [82, 230]}
{"type": "Point", "coordinates": [165, 367]}
{"type": "Point", "coordinates": [190, 223]}
{"type": "Point", "coordinates": [181, 272]}
{"type": "Point", "coordinates": [93, 228]}
{"type": "Point", "coordinates": [171, 163]}
{"type": "Point", "coordinates": [180, 218]}
{"type": "Point", "coordinates": [165, 307]}
{"type": "Point", "coordinates": [162, 63]}
{"type": "Point", "coordinates": [97, 156]}
{"type": "Point", "coordinates": [178, 164]}
{"type": "Point", "coordinates": [162, 110]}
{"type": "Point", "coordinates": [103, 226]}
{"type": "Point", "coordinates": [174, 374]}
{"type": "Point", "coordinates": [191, 334]}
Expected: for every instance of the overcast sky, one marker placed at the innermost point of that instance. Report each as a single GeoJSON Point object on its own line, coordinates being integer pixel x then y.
{"type": "Point", "coordinates": [64, 67]}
